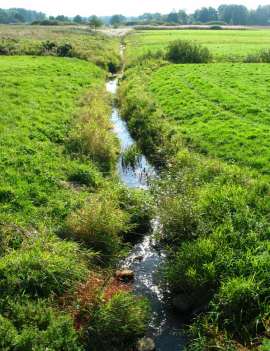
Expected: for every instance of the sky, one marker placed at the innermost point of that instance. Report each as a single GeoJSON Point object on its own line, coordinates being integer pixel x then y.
{"type": "Point", "coordinates": [125, 7]}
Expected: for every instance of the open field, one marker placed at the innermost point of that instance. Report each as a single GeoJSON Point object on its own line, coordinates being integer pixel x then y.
{"type": "Point", "coordinates": [226, 45]}
{"type": "Point", "coordinates": [221, 109]}
{"type": "Point", "coordinates": [37, 40]}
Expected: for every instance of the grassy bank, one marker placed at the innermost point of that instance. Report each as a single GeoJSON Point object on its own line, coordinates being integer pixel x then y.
{"type": "Point", "coordinates": [65, 218]}
{"type": "Point", "coordinates": [63, 41]}
{"type": "Point", "coordinates": [214, 215]}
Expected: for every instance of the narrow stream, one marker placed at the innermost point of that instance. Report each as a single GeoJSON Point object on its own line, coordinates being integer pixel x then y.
{"type": "Point", "coordinates": [166, 326]}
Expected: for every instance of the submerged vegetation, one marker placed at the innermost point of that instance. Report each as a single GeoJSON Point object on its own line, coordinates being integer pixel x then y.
{"type": "Point", "coordinates": [214, 216]}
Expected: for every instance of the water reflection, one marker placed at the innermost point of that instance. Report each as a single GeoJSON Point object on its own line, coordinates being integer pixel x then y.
{"type": "Point", "coordinates": [145, 259]}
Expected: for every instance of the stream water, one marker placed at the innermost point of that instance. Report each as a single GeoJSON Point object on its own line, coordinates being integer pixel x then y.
{"type": "Point", "coordinates": [165, 326]}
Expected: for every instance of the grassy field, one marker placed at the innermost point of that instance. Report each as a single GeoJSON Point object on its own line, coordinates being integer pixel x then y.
{"type": "Point", "coordinates": [39, 97]}
{"type": "Point", "coordinates": [226, 45]}
{"type": "Point", "coordinates": [206, 127]}
{"type": "Point", "coordinates": [78, 42]}
{"type": "Point", "coordinates": [220, 109]}
{"type": "Point", "coordinates": [64, 215]}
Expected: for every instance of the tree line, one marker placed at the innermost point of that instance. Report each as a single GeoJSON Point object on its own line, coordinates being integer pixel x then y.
{"type": "Point", "coordinates": [224, 14]}
{"type": "Point", "coordinates": [18, 15]}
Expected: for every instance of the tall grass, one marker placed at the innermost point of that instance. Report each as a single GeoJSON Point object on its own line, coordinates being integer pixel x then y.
{"type": "Point", "coordinates": [92, 133]}
{"type": "Point", "coordinates": [100, 225]}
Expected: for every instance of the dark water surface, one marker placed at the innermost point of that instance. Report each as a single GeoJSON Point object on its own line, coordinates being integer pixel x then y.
{"type": "Point", "coordinates": [166, 327]}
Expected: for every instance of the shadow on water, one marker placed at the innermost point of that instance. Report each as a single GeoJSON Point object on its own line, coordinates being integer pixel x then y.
{"type": "Point", "coordinates": [166, 327]}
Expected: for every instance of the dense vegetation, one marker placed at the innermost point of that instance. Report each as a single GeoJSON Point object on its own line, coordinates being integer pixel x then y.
{"type": "Point", "coordinates": [16, 15]}
{"type": "Point", "coordinates": [225, 45]}
{"type": "Point", "coordinates": [60, 41]}
{"type": "Point", "coordinates": [214, 215]}
{"type": "Point", "coordinates": [65, 219]}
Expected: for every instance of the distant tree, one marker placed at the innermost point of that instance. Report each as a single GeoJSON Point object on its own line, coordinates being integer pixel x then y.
{"type": "Point", "coordinates": [233, 14]}
{"type": "Point", "coordinates": [182, 17]}
{"type": "Point", "coordinates": [62, 18]}
{"type": "Point", "coordinates": [18, 15]}
{"type": "Point", "coordinates": [95, 22]}
{"type": "Point", "coordinates": [172, 17]}
{"type": "Point", "coordinates": [117, 20]}
{"type": "Point", "coordinates": [78, 19]}
{"type": "Point", "coordinates": [261, 16]}
{"type": "Point", "coordinates": [205, 15]}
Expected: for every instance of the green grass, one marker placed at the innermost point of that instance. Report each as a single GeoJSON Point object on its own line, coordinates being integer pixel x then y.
{"type": "Point", "coordinates": [225, 45]}
{"type": "Point", "coordinates": [85, 44]}
{"type": "Point", "coordinates": [39, 98]}
{"type": "Point", "coordinates": [214, 215]}
{"type": "Point", "coordinates": [54, 119]}
{"type": "Point", "coordinates": [221, 110]}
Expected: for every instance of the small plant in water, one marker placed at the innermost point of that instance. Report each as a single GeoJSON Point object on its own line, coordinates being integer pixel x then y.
{"type": "Point", "coordinates": [131, 157]}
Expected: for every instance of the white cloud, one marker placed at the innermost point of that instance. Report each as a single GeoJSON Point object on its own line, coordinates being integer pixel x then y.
{"type": "Point", "coordinates": [126, 7]}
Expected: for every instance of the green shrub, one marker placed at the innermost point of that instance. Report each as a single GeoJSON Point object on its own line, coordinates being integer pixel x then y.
{"type": "Point", "coordinates": [262, 56]}
{"type": "Point", "coordinates": [265, 55]}
{"type": "Point", "coordinates": [35, 326]}
{"type": "Point", "coordinates": [132, 157]}
{"type": "Point", "coordinates": [181, 51]}
{"type": "Point", "coordinates": [221, 203]}
{"type": "Point", "coordinates": [85, 174]}
{"type": "Point", "coordinates": [138, 204]}
{"type": "Point", "coordinates": [41, 269]}
{"type": "Point", "coordinates": [64, 50]}
{"type": "Point", "coordinates": [238, 307]}
{"type": "Point", "coordinates": [192, 270]}
{"type": "Point", "coordinates": [118, 324]}
{"type": "Point", "coordinates": [100, 225]}
{"type": "Point", "coordinates": [8, 334]}
{"type": "Point", "coordinates": [179, 218]}
{"type": "Point", "coordinates": [48, 47]}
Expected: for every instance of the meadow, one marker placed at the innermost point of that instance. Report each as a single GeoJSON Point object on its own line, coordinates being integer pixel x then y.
{"type": "Point", "coordinates": [226, 45]}
{"type": "Point", "coordinates": [72, 41]}
{"type": "Point", "coordinates": [220, 110]}
{"type": "Point", "coordinates": [205, 126]}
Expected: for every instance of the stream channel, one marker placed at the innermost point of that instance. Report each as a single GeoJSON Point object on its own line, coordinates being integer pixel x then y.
{"type": "Point", "coordinates": [166, 326]}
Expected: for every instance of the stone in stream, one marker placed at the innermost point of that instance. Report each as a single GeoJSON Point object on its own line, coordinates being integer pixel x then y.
{"type": "Point", "coordinates": [138, 258]}
{"type": "Point", "coordinates": [146, 344]}
{"type": "Point", "coordinates": [125, 275]}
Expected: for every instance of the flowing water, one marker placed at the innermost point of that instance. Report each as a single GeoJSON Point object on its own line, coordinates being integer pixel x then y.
{"type": "Point", "coordinates": [145, 259]}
